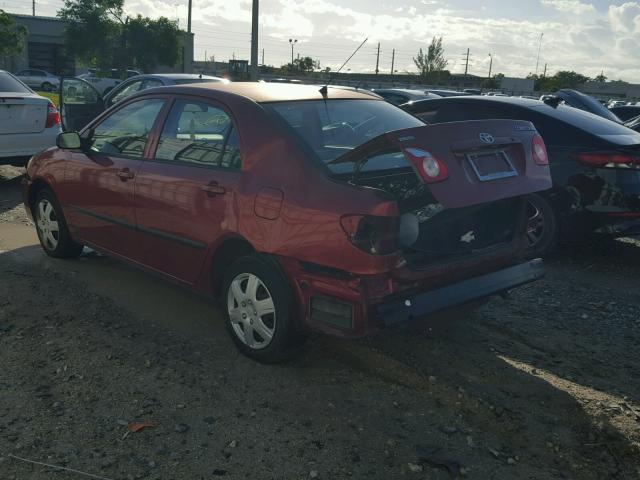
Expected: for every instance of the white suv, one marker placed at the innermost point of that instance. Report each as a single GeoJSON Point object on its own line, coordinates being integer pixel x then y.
{"type": "Point", "coordinates": [29, 123]}
{"type": "Point", "coordinates": [104, 83]}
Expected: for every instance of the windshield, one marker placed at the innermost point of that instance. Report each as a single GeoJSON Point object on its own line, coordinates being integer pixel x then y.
{"type": "Point", "coordinates": [8, 83]}
{"type": "Point", "coordinates": [332, 128]}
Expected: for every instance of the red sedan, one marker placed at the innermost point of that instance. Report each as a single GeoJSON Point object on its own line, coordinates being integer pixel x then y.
{"type": "Point", "coordinates": [298, 207]}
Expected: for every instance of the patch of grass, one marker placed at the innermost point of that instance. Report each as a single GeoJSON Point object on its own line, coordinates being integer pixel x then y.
{"type": "Point", "coordinates": [53, 96]}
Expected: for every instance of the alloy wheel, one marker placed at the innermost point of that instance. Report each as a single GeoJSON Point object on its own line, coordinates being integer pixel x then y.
{"type": "Point", "coordinates": [47, 223]}
{"type": "Point", "coordinates": [252, 311]}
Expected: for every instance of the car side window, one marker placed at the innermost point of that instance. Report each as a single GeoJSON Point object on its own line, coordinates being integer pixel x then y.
{"type": "Point", "coordinates": [394, 98]}
{"type": "Point", "coordinates": [126, 92]}
{"type": "Point", "coordinates": [150, 83]}
{"type": "Point", "coordinates": [198, 133]}
{"type": "Point", "coordinates": [428, 116]}
{"type": "Point", "coordinates": [125, 132]}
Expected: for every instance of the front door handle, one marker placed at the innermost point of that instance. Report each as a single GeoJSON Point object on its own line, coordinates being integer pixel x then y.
{"type": "Point", "coordinates": [125, 174]}
{"type": "Point", "coordinates": [212, 189]}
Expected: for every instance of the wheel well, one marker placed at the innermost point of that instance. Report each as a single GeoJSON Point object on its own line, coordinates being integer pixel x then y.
{"type": "Point", "coordinates": [37, 186]}
{"type": "Point", "coordinates": [225, 255]}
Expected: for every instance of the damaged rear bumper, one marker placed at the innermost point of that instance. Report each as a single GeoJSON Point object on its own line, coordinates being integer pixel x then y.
{"type": "Point", "coordinates": [404, 309]}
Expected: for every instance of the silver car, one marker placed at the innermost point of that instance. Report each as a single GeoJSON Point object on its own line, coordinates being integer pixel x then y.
{"type": "Point", "coordinates": [39, 80]}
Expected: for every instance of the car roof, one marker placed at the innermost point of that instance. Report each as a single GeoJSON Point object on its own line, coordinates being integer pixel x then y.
{"type": "Point", "coordinates": [400, 90]}
{"type": "Point", "coordinates": [516, 101]}
{"type": "Point", "coordinates": [269, 92]}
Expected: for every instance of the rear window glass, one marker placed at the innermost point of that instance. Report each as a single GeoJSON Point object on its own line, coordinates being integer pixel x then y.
{"type": "Point", "coordinates": [334, 127]}
{"type": "Point", "coordinates": [592, 123]}
{"type": "Point", "coordinates": [9, 84]}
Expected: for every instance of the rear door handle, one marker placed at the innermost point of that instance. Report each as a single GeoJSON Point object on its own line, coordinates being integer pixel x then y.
{"type": "Point", "coordinates": [125, 174]}
{"type": "Point", "coordinates": [213, 189]}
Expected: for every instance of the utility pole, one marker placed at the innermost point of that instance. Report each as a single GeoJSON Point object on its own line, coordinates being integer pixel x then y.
{"type": "Point", "coordinates": [539, 47]}
{"type": "Point", "coordinates": [33, 8]}
{"type": "Point", "coordinates": [188, 17]}
{"type": "Point", "coordinates": [490, 65]}
{"type": "Point", "coordinates": [263, 56]}
{"type": "Point", "coordinates": [292, 41]}
{"type": "Point", "coordinates": [254, 41]}
{"type": "Point", "coordinates": [466, 66]}
{"type": "Point", "coordinates": [393, 59]}
{"type": "Point", "coordinates": [544, 75]}
{"type": "Point", "coordinates": [378, 58]}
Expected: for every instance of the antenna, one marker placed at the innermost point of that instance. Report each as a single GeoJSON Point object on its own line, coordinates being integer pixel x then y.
{"type": "Point", "coordinates": [324, 89]}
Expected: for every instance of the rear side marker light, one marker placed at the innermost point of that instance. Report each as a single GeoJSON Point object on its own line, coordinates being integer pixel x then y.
{"type": "Point", "coordinates": [53, 116]}
{"type": "Point", "coordinates": [429, 168]}
{"type": "Point", "coordinates": [607, 159]}
{"type": "Point", "coordinates": [539, 149]}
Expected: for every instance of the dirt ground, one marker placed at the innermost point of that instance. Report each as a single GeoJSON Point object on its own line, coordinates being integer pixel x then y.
{"type": "Point", "coordinates": [543, 384]}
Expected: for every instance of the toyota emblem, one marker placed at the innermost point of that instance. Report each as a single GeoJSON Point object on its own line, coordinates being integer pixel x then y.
{"type": "Point", "coordinates": [487, 138]}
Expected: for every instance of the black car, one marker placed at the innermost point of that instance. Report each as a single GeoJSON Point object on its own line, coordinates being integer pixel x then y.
{"type": "Point", "coordinates": [595, 165]}
{"type": "Point", "coordinates": [398, 96]}
{"type": "Point", "coordinates": [626, 112]}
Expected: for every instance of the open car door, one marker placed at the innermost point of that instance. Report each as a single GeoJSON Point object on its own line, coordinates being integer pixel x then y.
{"type": "Point", "coordinates": [80, 103]}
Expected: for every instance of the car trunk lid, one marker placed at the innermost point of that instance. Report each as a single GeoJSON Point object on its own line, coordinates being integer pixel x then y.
{"type": "Point", "coordinates": [486, 160]}
{"type": "Point", "coordinates": [22, 113]}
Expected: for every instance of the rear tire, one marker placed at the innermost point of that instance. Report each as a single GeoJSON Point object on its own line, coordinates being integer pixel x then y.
{"type": "Point", "coordinates": [258, 309]}
{"type": "Point", "coordinates": [52, 228]}
{"type": "Point", "coordinates": [542, 226]}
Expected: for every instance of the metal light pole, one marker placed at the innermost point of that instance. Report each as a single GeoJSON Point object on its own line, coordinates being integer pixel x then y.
{"type": "Point", "coordinates": [490, 64]}
{"type": "Point", "coordinates": [189, 17]}
{"type": "Point", "coordinates": [254, 42]}
{"type": "Point", "coordinates": [539, 47]}
{"type": "Point", "coordinates": [292, 42]}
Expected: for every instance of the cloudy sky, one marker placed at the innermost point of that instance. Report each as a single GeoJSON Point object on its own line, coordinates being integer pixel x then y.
{"type": "Point", "coordinates": [587, 36]}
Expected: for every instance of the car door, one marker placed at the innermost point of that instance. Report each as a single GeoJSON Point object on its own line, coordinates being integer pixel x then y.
{"type": "Point", "coordinates": [79, 103]}
{"type": "Point", "coordinates": [98, 190]}
{"type": "Point", "coordinates": [184, 194]}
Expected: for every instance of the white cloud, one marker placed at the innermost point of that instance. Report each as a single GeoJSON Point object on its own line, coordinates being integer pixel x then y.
{"type": "Point", "coordinates": [626, 17]}
{"type": "Point", "coordinates": [570, 6]}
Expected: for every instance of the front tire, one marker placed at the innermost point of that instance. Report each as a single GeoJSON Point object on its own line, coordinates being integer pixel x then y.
{"type": "Point", "coordinates": [542, 226]}
{"type": "Point", "coordinates": [52, 228]}
{"type": "Point", "coordinates": [258, 307]}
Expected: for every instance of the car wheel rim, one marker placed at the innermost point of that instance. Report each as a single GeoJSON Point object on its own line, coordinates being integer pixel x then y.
{"type": "Point", "coordinates": [252, 312]}
{"type": "Point", "coordinates": [48, 226]}
{"type": "Point", "coordinates": [535, 225]}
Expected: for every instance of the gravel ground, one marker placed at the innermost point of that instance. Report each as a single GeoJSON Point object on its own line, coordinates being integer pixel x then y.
{"type": "Point", "coordinates": [540, 385]}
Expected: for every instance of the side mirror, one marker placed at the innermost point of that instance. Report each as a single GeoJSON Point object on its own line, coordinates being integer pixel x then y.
{"type": "Point", "coordinates": [69, 140]}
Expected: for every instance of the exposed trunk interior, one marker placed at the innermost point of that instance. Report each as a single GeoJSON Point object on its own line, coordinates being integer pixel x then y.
{"type": "Point", "coordinates": [448, 235]}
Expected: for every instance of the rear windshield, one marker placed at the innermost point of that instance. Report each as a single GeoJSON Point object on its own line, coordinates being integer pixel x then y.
{"type": "Point", "coordinates": [606, 129]}
{"type": "Point", "coordinates": [185, 81]}
{"type": "Point", "coordinates": [332, 128]}
{"type": "Point", "coordinates": [10, 84]}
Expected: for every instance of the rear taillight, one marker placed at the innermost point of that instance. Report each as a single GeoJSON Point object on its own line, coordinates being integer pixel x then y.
{"type": "Point", "coordinates": [607, 159]}
{"type": "Point", "coordinates": [429, 168]}
{"type": "Point", "coordinates": [539, 151]}
{"type": "Point", "coordinates": [372, 234]}
{"type": "Point", "coordinates": [53, 116]}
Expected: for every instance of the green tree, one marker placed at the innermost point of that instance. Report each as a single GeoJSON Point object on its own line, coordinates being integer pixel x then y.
{"type": "Point", "coordinates": [11, 35]}
{"type": "Point", "coordinates": [433, 61]}
{"type": "Point", "coordinates": [493, 82]}
{"type": "Point", "coordinates": [600, 78]}
{"type": "Point", "coordinates": [98, 33]}
{"type": "Point", "coordinates": [152, 42]}
{"type": "Point", "coordinates": [562, 79]}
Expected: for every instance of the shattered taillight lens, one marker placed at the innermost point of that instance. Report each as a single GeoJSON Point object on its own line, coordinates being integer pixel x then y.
{"type": "Point", "coordinates": [429, 167]}
{"type": "Point", "coordinates": [372, 234]}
